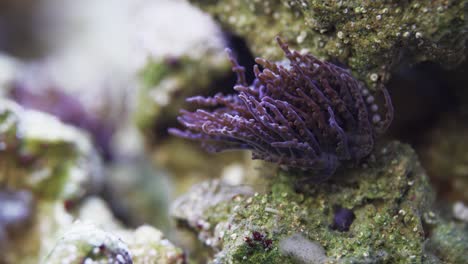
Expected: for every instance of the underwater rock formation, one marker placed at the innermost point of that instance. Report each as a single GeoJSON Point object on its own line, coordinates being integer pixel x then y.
{"type": "Point", "coordinates": [97, 237]}
{"type": "Point", "coordinates": [40, 154]}
{"type": "Point", "coordinates": [174, 64]}
{"type": "Point", "coordinates": [390, 197]}
{"type": "Point", "coordinates": [51, 163]}
{"type": "Point", "coordinates": [166, 82]}
{"type": "Point", "coordinates": [371, 37]}
{"type": "Point", "coordinates": [87, 243]}
{"type": "Point", "coordinates": [148, 245]}
{"type": "Point", "coordinates": [68, 109]}
{"type": "Point", "coordinates": [190, 208]}
{"type": "Point", "coordinates": [46, 167]}
{"type": "Point", "coordinates": [309, 114]}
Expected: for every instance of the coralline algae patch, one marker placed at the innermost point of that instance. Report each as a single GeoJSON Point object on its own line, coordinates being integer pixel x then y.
{"type": "Point", "coordinates": [388, 197]}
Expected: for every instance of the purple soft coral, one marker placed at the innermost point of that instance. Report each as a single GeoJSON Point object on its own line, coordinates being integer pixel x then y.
{"type": "Point", "coordinates": [310, 114]}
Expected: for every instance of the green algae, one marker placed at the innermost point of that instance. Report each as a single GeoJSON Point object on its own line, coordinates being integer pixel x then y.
{"type": "Point", "coordinates": [388, 195]}
{"type": "Point", "coordinates": [371, 37]}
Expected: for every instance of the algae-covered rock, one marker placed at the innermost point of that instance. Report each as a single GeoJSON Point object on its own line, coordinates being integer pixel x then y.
{"type": "Point", "coordinates": [44, 165]}
{"type": "Point", "coordinates": [145, 244]}
{"type": "Point", "coordinates": [168, 81]}
{"type": "Point", "coordinates": [176, 62]}
{"type": "Point", "coordinates": [371, 37]}
{"type": "Point", "coordinates": [148, 245]}
{"type": "Point", "coordinates": [189, 211]}
{"type": "Point", "coordinates": [386, 199]}
{"type": "Point", "coordinates": [191, 208]}
{"type": "Point", "coordinates": [86, 243]}
{"type": "Point", "coordinates": [41, 154]}
{"type": "Point", "coordinates": [96, 237]}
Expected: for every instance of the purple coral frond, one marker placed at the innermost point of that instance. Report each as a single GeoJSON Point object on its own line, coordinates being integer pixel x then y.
{"type": "Point", "coordinates": [311, 115]}
{"type": "Point", "coordinates": [239, 70]}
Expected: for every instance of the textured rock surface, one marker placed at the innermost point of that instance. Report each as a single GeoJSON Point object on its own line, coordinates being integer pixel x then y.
{"type": "Point", "coordinates": [191, 208]}
{"type": "Point", "coordinates": [371, 37]}
{"type": "Point", "coordinates": [388, 196]}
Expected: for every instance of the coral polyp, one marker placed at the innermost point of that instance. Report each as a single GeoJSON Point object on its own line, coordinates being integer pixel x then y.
{"type": "Point", "coordinates": [309, 114]}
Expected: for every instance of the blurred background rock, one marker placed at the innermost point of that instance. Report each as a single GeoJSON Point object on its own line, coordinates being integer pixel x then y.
{"type": "Point", "coordinates": [89, 63]}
